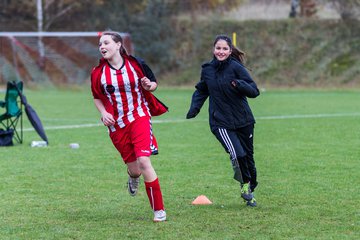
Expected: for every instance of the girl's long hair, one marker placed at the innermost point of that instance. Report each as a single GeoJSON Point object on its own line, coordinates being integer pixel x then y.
{"type": "Point", "coordinates": [117, 38]}
{"type": "Point", "coordinates": [235, 52]}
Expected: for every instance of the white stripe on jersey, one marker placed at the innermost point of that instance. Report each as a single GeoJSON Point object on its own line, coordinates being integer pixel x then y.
{"type": "Point", "coordinates": [103, 83]}
{"type": "Point", "coordinates": [120, 109]}
{"type": "Point", "coordinates": [129, 97]}
{"type": "Point", "coordinates": [137, 90]}
{"type": "Point", "coordinates": [140, 101]}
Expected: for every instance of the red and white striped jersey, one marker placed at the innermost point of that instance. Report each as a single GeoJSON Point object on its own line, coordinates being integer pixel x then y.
{"type": "Point", "coordinates": [123, 91]}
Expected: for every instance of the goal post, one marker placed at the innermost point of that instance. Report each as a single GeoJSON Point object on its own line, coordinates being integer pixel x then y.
{"type": "Point", "coordinates": [66, 57]}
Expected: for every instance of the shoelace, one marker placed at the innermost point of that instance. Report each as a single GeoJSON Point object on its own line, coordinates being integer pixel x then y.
{"type": "Point", "coordinates": [134, 182]}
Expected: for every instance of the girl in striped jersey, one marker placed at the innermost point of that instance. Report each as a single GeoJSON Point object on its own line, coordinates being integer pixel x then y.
{"type": "Point", "coordinates": [121, 86]}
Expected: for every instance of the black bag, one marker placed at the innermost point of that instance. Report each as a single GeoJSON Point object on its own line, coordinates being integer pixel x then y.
{"type": "Point", "coordinates": [6, 137]}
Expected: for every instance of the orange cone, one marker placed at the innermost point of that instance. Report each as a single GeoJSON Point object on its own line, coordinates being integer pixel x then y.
{"type": "Point", "coordinates": [201, 200]}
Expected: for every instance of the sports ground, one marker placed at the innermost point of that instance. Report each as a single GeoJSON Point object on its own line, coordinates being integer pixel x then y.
{"type": "Point", "coordinates": [306, 150]}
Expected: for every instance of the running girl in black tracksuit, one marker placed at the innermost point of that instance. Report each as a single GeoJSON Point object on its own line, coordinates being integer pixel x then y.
{"type": "Point", "coordinates": [228, 84]}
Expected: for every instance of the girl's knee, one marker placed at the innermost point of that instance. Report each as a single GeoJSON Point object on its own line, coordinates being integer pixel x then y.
{"type": "Point", "coordinates": [144, 163]}
{"type": "Point", "coordinates": [134, 170]}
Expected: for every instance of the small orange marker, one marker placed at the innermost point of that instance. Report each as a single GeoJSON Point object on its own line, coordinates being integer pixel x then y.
{"type": "Point", "coordinates": [201, 200]}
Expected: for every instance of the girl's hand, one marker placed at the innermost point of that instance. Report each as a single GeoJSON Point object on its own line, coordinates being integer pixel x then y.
{"type": "Point", "coordinates": [233, 83]}
{"type": "Point", "coordinates": [107, 119]}
{"type": "Point", "coordinates": [147, 84]}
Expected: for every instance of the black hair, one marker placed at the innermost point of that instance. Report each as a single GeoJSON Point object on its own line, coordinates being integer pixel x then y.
{"type": "Point", "coordinates": [235, 52]}
{"type": "Point", "coordinates": [225, 38]}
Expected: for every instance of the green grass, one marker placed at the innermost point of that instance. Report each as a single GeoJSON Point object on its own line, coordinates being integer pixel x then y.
{"type": "Point", "coordinates": [306, 150]}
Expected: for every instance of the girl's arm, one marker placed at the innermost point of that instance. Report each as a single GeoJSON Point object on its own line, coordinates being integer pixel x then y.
{"type": "Point", "coordinates": [106, 117]}
{"type": "Point", "coordinates": [245, 84]}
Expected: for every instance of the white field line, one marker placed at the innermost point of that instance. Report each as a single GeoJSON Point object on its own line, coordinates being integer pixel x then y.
{"type": "Point", "coordinates": [296, 116]}
{"type": "Point", "coordinates": [320, 115]}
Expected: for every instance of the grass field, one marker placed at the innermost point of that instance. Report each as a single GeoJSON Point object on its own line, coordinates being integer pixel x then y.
{"type": "Point", "coordinates": [306, 149]}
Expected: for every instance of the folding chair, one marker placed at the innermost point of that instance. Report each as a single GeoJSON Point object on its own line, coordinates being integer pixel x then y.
{"type": "Point", "coordinates": [13, 110]}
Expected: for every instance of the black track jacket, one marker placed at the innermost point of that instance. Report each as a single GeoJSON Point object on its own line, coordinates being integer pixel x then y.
{"type": "Point", "coordinates": [228, 105]}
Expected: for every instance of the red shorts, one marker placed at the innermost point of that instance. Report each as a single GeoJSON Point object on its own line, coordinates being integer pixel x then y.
{"type": "Point", "coordinates": [135, 140]}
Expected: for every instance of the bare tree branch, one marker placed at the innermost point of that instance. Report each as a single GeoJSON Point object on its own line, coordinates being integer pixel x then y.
{"type": "Point", "coordinates": [59, 14]}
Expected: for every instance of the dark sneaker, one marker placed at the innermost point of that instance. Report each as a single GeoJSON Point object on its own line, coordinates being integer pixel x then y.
{"type": "Point", "coordinates": [133, 184]}
{"type": "Point", "coordinates": [251, 203]}
{"type": "Point", "coordinates": [246, 192]}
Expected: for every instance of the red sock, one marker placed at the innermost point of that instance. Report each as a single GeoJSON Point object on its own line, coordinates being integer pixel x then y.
{"type": "Point", "coordinates": [154, 194]}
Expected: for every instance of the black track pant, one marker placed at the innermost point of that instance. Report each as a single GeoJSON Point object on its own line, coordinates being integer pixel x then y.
{"type": "Point", "coordinates": [240, 145]}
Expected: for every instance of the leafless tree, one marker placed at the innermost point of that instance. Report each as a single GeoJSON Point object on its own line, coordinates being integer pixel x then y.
{"type": "Point", "coordinates": [348, 9]}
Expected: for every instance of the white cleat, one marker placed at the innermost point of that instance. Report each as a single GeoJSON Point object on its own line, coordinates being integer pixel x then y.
{"type": "Point", "coordinates": [159, 216]}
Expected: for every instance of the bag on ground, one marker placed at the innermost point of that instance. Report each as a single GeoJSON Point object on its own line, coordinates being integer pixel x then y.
{"type": "Point", "coordinates": [6, 137]}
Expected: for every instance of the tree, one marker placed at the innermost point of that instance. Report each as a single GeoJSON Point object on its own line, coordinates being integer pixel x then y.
{"type": "Point", "coordinates": [348, 9]}
{"type": "Point", "coordinates": [41, 59]}
{"type": "Point", "coordinates": [150, 22]}
{"type": "Point", "coordinates": [44, 13]}
{"type": "Point", "coordinates": [195, 6]}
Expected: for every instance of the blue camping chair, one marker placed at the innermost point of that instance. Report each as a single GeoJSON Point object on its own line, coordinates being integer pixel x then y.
{"type": "Point", "coordinates": [13, 110]}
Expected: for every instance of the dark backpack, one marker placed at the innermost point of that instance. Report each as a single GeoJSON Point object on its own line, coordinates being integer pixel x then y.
{"type": "Point", "coordinates": [6, 137]}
